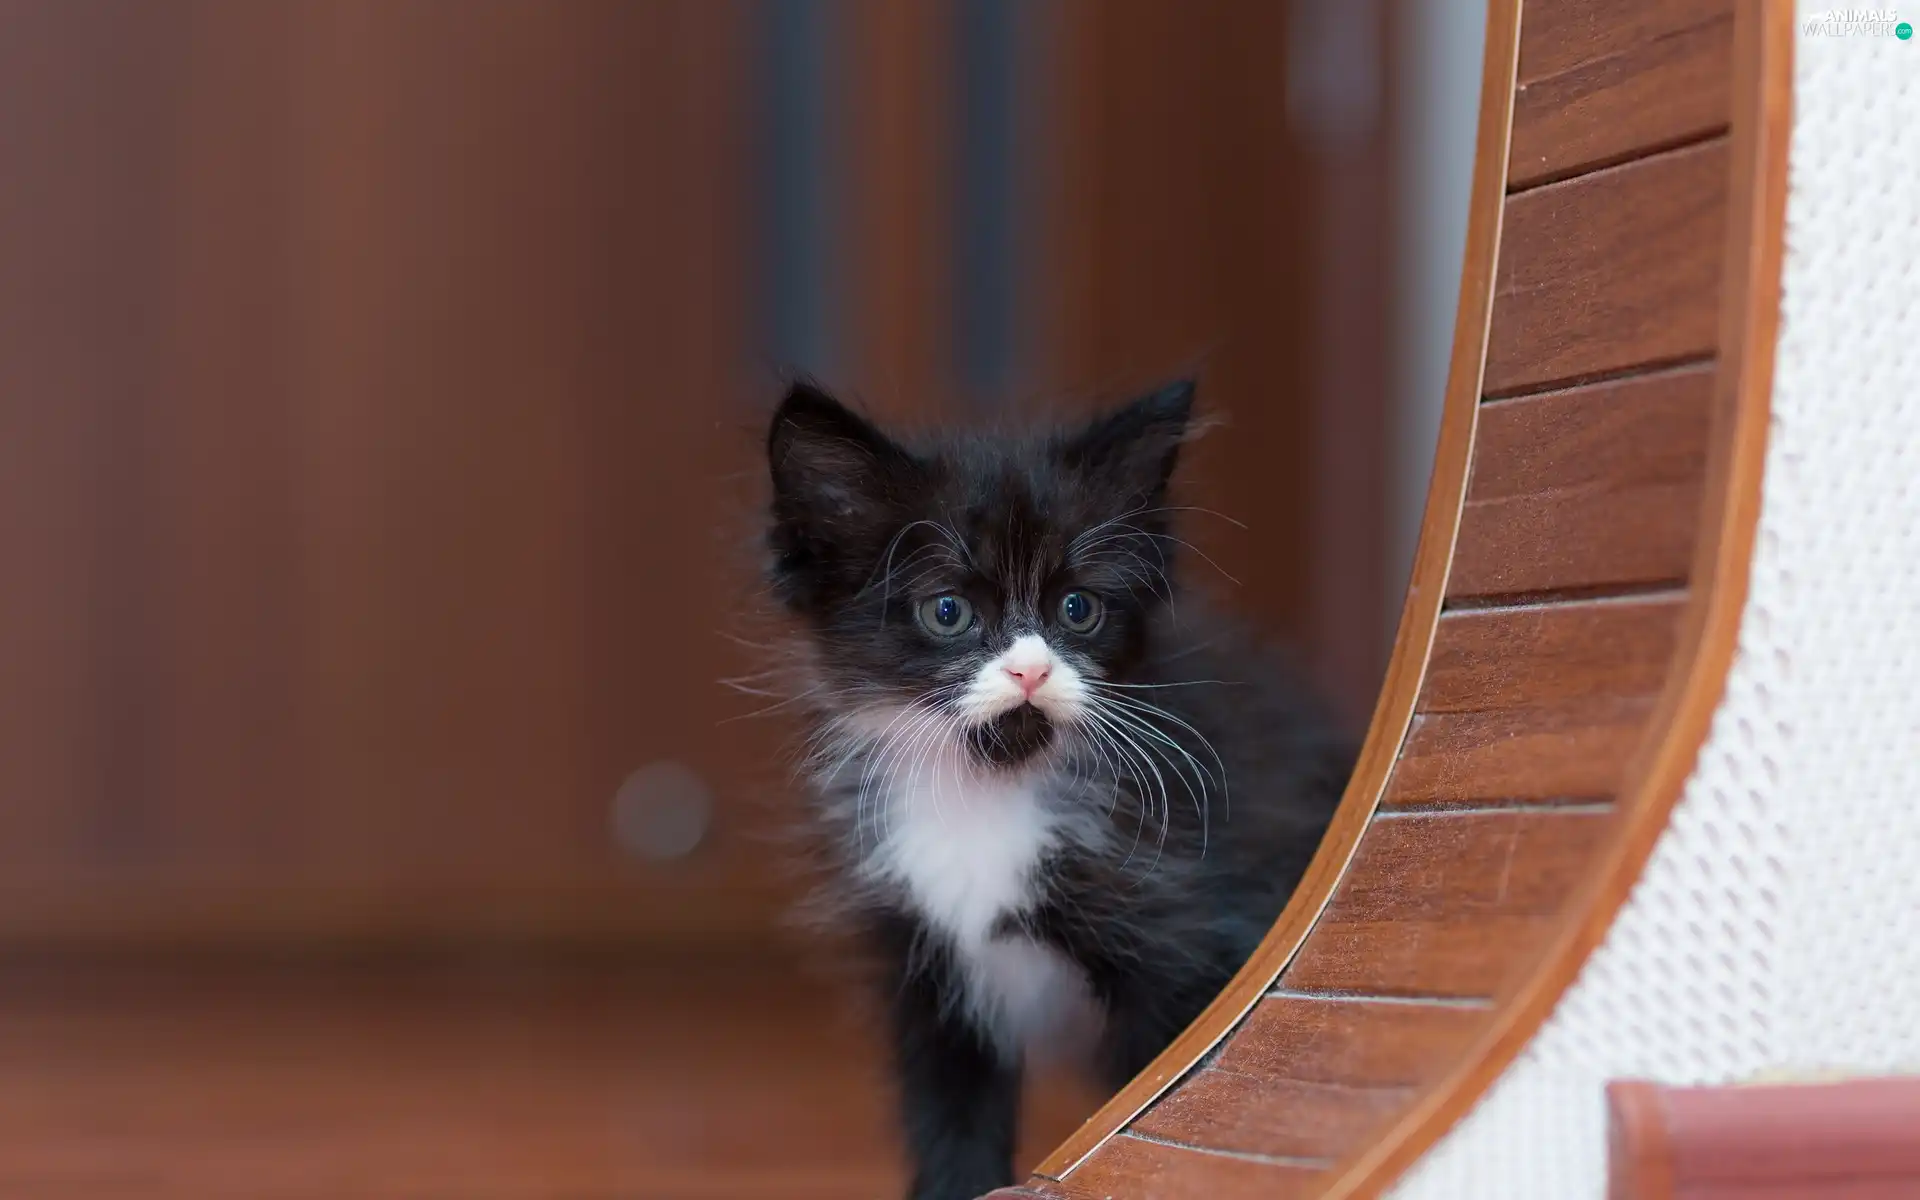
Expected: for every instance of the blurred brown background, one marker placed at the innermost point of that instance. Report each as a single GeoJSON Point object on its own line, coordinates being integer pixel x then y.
{"type": "Point", "coordinates": [380, 398]}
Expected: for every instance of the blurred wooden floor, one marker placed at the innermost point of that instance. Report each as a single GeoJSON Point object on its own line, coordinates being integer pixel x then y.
{"type": "Point", "coordinates": [220, 1081]}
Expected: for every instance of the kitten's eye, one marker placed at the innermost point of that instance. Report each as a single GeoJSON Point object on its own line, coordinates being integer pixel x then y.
{"type": "Point", "coordinates": [1080, 611]}
{"type": "Point", "coordinates": [946, 616]}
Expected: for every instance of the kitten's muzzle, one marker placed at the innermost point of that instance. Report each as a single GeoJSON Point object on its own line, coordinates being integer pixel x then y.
{"type": "Point", "coordinates": [1013, 737]}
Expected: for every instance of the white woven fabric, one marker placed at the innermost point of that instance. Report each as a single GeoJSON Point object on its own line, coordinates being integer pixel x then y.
{"type": "Point", "coordinates": [1777, 926]}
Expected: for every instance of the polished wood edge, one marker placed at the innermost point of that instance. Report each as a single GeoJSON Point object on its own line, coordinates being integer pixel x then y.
{"type": "Point", "coordinates": [1749, 318]}
{"type": "Point", "coordinates": [1419, 618]}
{"type": "Point", "coordinates": [1811, 1138]}
{"type": "Point", "coordinates": [1639, 1154]}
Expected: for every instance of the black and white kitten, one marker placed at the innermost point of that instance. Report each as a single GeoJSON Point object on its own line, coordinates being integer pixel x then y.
{"type": "Point", "coordinates": [1025, 753]}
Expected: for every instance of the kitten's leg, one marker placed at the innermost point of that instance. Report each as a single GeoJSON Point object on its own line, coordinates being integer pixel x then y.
{"type": "Point", "coordinates": [1135, 1026]}
{"type": "Point", "coordinates": [1133, 1037]}
{"type": "Point", "coordinates": [959, 1101]}
{"type": "Point", "coordinates": [1145, 1012]}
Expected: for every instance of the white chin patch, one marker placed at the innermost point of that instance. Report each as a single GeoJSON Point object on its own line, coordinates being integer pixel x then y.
{"type": "Point", "coordinates": [1003, 684]}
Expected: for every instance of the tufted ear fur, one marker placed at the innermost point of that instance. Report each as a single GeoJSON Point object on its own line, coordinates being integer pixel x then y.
{"type": "Point", "coordinates": [1135, 448]}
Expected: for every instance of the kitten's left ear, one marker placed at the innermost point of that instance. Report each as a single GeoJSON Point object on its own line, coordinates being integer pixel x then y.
{"type": "Point", "coordinates": [1135, 448]}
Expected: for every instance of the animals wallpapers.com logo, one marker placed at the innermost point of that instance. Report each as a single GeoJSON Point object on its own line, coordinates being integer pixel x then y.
{"type": "Point", "coordinates": [1859, 22]}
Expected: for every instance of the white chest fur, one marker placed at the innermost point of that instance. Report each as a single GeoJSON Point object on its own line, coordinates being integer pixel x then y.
{"type": "Point", "coordinates": [966, 849]}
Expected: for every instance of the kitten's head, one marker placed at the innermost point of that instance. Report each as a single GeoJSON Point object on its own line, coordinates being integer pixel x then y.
{"type": "Point", "coordinates": [976, 592]}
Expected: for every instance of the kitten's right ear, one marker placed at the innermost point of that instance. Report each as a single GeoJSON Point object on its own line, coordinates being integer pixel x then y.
{"type": "Point", "coordinates": [1135, 448]}
{"type": "Point", "coordinates": [830, 465]}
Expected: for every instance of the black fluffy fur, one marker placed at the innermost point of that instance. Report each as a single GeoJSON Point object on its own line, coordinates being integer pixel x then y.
{"type": "Point", "coordinates": [1205, 825]}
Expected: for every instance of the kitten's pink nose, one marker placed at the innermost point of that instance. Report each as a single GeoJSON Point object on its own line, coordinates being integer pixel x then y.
{"type": "Point", "coordinates": [1029, 676]}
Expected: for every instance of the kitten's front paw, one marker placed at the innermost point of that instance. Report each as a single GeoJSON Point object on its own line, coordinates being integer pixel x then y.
{"type": "Point", "coordinates": [964, 1189]}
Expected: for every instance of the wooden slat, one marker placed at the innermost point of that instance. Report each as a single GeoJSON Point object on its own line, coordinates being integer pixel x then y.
{"type": "Point", "coordinates": [1250, 1114]}
{"type": "Point", "coordinates": [1573, 752]}
{"type": "Point", "coordinates": [1609, 271]}
{"type": "Point", "coordinates": [1592, 486]}
{"type": "Point", "coordinates": [1603, 80]}
{"type": "Point", "coordinates": [1446, 904]}
{"type": "Point", "coordinates": [1550, 654]}
{"type": "Point", "coordinates": [1469, 957]}
{"type": "Point", "coordinates": [1129, 1166]}
{"type": "Point", "coordinates": [1644, 428]}
{"type": "Point", "coordinates": [1433, 866]}
{"type": "Point", "coordinates": [1355, 1042]}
